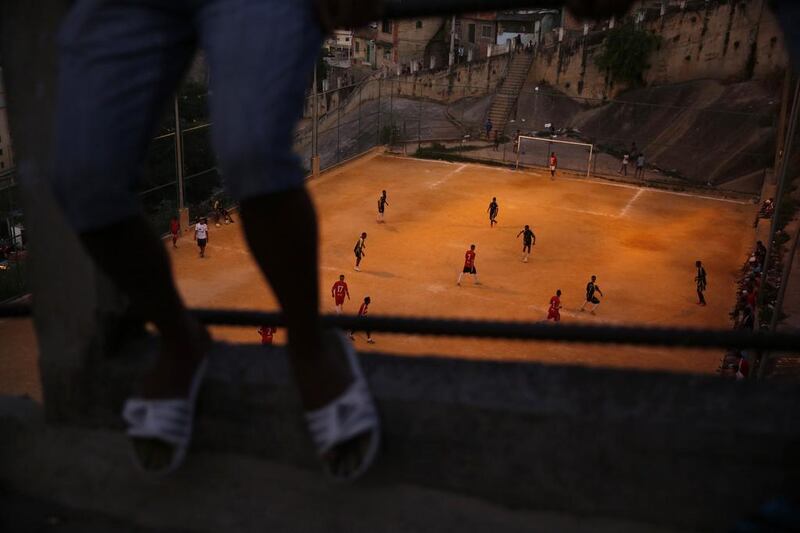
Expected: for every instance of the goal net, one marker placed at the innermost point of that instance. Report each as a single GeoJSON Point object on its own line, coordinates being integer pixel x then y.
{"type": "Point", "coordinates": [571, 155]}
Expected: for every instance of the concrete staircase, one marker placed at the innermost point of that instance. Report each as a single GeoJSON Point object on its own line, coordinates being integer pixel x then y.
{"type": "Point", "coordinates": [507, 94]}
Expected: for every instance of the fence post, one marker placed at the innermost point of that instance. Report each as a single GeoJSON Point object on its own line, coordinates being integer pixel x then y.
{"type": "Point", "coordinates": [419, 126]}
{"type": "Point", "coordinates": [338, 123]}
{"type": "Point", "coordinates": [315, 128]}
{"type": "Point", "coordinates": [358, 133]}
{"type": "Point", "coordinates": [183, 212]}
{"type": "Point", "coordinates": [378, 139]}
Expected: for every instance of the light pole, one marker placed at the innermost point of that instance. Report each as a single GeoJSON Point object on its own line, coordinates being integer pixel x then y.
{"type": "Point", "coordinates": [179, 153]}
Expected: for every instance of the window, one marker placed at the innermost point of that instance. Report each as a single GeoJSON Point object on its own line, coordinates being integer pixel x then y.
{"type": "Point", "coordinates": [358, 46]}
{"type": "Point", "coordinates": [419, 24]}
{"type": "Point", "coordinates": [486, 31]}
{"type": "Point", "coordinates": [386, 26]}
{"type": "Point", "coordinates": [471, 30]}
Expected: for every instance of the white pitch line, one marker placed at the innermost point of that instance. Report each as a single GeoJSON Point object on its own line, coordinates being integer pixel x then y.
{"type": "Point", "coordinates": [596, 181]}
{"type": "Point", "coordinates": [587, 212]}
{"type": "Point", "coordinates": [444, 178]}
{"type": "Point", "coordinates": [653, 189]}
{"type": "Point", "coordinates": [633, 199]}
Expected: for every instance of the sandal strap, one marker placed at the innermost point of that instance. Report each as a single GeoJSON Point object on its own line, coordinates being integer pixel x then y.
{"type": "Point", "coordinates": [166, 420]}
{"type": "Point", "coordinates": [347, 416]}
{"type": "Point", "coordinates": [170, 419]}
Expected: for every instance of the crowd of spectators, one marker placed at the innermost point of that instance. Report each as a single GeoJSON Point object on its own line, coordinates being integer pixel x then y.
{"type": "Point", "coordinates": [736, 363]}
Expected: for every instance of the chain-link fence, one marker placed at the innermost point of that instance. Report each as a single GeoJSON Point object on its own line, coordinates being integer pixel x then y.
{"type": "Point", "coordinates": [13, 258]}
{"type": "Point", "coordinates": [725, 144]}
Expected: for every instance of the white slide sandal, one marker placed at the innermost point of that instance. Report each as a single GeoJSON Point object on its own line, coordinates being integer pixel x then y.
{"type": "Point", "coordinates": [167, 420]}
{"type": "Point", "coordinates": [348, 416]}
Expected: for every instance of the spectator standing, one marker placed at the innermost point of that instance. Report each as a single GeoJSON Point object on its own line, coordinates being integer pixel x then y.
{"type": "Point", "coordinates": [623, 169]}
{"type": "Point", "coordinates": [488, 127]}
{"type": "Point", "coordinates": [640, 166]}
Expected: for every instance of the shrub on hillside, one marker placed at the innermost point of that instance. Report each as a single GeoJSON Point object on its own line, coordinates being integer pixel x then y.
{"type": "Point", "coordinates": [626, 53]}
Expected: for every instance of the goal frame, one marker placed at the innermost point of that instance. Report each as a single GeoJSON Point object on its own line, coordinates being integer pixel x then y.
{"type": "Point", "coordinates": [555, 141]}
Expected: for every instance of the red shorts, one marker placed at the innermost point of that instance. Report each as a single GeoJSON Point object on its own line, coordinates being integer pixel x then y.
{"type": "Point", "coordinates": [554, 314]}
{"type": "Point", "coordinates": [339, 301]}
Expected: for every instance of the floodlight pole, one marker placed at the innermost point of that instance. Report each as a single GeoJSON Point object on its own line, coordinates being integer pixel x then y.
{"type": "Point", "coordinates": [178, 151]}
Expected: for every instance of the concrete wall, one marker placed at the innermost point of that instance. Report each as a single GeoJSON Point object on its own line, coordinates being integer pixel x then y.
{"type": "Point", "coordinates": [726, 41]}
{"type": "Point", "coordinates": [471, 79]}
{"type": "Point", "coordinates": [717, 42]}
{"type": "Point", "coordinates": [692, 451]}
{"type": "Point", "coordinates": [411, 41]}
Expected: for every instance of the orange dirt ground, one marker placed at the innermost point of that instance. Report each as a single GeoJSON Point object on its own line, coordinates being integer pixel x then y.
{"type": "Point", "coordinates": [641, 243]}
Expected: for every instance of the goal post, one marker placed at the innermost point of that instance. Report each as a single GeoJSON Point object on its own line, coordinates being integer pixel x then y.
{"type": "Point", "coordinates": [572, 155]}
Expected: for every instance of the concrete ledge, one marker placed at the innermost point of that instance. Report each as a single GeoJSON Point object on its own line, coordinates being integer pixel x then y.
{"type": "Point", "coordinates": [661, 448]}
{"type": "Point", "coordinates": [85, 480]}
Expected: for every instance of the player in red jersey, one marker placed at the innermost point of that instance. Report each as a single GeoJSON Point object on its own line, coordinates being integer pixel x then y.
{"type": "Point", "coordinates": [362, 312]}
{"type": "Point", "coordinates": [554, 313]}
{"type": "Point", "coordinates": [266, 333]}
{"type": "Point", "coordinates": [469, 265]}
{"type": "Point", "coordinates": [553, 165]}
{"type": "Point", "coordinates": [175, 229]}
{"type": "Point", "coordinates": [338, 292]}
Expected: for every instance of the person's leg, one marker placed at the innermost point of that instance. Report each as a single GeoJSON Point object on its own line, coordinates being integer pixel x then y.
{"type": "Point", "coordinates": [119, 64]}
{"type": "Point", "coordinates": [111, 92]}
{"type": "Point", "coordinates": [460, 275]}
{"type": "Point", "coordinates": [258, 90]}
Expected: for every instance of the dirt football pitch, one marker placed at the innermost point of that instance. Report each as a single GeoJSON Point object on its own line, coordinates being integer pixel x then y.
{"type": "Point", "coordinates": [641, 243]}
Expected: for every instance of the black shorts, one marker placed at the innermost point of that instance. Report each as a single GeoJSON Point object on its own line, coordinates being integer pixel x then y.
{"type": "Point", "coordinates": [470, 270]}
{"type": "Point", "coordinates": [527, 246]}
{"type": "Point", "coordinates": [593, 300]}
{"type": "Point", "coordinates": [358, 254]}
{"type": "Point", "coordinates": [492, 215]}
{"type": "Point", "coordinates": [202, 242]}
{"type": "Point", "coordinates": [380, 210]}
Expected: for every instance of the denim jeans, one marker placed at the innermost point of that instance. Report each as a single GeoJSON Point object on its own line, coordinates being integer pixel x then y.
{"type": "Point", "coordinates": [120, 61]}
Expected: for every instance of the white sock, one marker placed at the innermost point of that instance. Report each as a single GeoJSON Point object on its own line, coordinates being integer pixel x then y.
{"type": "Point", "coordinates": [459, 277]}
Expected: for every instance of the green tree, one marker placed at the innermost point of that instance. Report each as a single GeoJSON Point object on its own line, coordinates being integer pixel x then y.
{"type": "Point", "coordinates": [626, 53]}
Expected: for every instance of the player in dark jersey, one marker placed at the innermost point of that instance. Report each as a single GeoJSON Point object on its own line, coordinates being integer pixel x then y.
{"type": "Point", "coordinates": [700, 280]}
{"type": "Point", "coordinates": [469, 265]}
{"type": "Point", "coordinates": [591, 290]}
{"type": "Point", "coordinates": [382, 203]}
{"type": "Point", "coordinates": [528, 240]}
{"type": "Point", "coordinates": [493, 210]}
{"type": "Point", "coordinates": [359, 250]}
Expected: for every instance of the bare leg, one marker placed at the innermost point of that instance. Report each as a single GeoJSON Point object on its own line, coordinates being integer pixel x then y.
{"type": "Point", "coordinates": [321, 376]}
{"type": "Point", "coordinates": [148, 284]}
